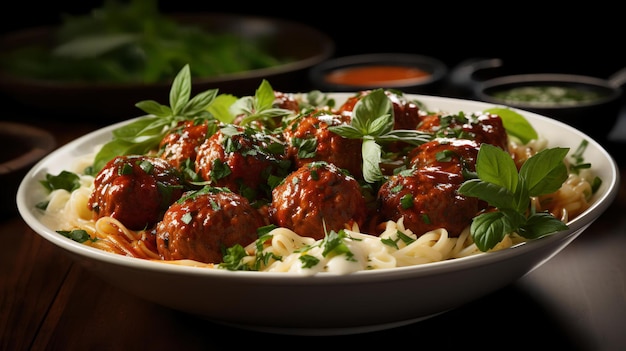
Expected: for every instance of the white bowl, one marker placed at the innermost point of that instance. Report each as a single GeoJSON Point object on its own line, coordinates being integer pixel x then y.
{"type": "Point", "coordinates": [324, 304]}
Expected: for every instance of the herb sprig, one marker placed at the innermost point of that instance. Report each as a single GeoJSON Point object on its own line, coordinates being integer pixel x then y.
{"type": "Point", "coordinates": [373, 121]}
{"type": "Point", "coordinates": [500, 185]}
{"type": "Point", "coordinates": [145, 133]}
{"type": "Point", "coordinates": [258, 107]}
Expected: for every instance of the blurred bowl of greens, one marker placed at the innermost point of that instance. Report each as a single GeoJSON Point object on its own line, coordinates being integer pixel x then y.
{"type": "Point", "coordinates": [101, 64]}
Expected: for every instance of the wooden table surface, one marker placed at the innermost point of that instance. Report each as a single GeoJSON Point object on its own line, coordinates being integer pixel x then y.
{"type": "Point", "coordinates": [575, 301]}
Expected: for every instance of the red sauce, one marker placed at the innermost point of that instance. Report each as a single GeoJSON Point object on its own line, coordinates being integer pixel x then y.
{"type": "Point", "coordinates": [377, 75]}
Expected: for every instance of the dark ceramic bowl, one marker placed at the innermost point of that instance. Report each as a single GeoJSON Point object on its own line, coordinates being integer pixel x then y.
{"type": "Point", "coordinates": [23, 146]}
{"type": "Point", "coordinates": [406, 72]}
{"type": "Point", "coordinates": [588, 104]}
{"type": "Point", "coordinates": [304, 45]}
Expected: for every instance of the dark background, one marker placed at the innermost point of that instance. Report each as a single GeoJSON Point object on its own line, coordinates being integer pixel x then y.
{"type": "Point", "coordinates": [585, 40]}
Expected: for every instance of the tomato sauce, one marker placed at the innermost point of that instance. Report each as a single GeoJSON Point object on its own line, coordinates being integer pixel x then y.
{"type": "Point", "coordinates": [377, 75]}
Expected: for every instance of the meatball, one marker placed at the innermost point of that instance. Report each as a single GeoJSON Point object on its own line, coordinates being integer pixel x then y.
{"type": "Point", "coordinates": [426, 194]}
{"type": "Point", "coordinates": [449, 155]}
{"type": "Point", "coordinates": [480, 126]}
{"type": "Point", "coordinates": [317, 198]}
{"type": "Point", "coordinates": [181, 144]}
{"type": "Point", "coordinates": [242, 160]}
{"type": "Point", "coordinates": [286, 101]}
{"type": "Point", "coordinates": [309, 139]}
{"type": "Point", "coordinates": [136, 190]}
{"type": "Point", "coordinates": [202, 224]}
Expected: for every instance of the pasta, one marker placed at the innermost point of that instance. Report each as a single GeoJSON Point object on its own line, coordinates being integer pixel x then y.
{"type": "Point", "coordinates": [370, 252]}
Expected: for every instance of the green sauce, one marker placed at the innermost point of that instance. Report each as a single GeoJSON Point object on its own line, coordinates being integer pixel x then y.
{"type": "Point", "coordinates": [548, 95]}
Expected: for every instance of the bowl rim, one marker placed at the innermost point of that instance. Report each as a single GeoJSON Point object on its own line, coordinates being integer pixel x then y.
{"type": "Point", "coordinates": [436, 67]}
{"type": "Point", "coordinates": [78, 146]}
{"type": "Point", "coordinates": [613, 92]}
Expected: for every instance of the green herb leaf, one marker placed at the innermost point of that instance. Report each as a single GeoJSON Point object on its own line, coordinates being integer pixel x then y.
{"type": "Point", "coordinates": [220, 108]}
{"type": "Point", "coordinates": [545, 172]}
{"type": "Point", "coordinates": [373, 121]}
{"type": "Point", "coordinates": [515, 124]}
{"type": "Point", "coordinates": [347, 131]}
{"type": "Point", "coordinates": [153, 107]}
{"type": "Point", "coordinates": [492, 226]}
{"type": "Point", "coordinates": [371, 107]}
{"type": "Point", "coordinates": [199, 103]}
{"type": "Point", "coordinates": [412, 137]}
{"type": "Point", "coordinates": [308, 261]}
{"type": "Point", "coordinates": [333, 245]}
{"type": "Point", "coordinates": [78, 235]}
{"type": "Point", "coordinates": [371, 152]}
{"type": "Point", "coordinates": [64, 180]}
{"type": "Point", "coordinates": [509, 192]}
{"type": "Point", "coordinates": [180, 91]}
{"type": "Point", "coordinates": [541, 224]}
{"type": "Point", "coordinates": [496, 195]}
{"type": "Point", "coordinates": [144, 134]}
{"type": "Point", "coordinates": [497, 166]}
{"type": "Point", "coordinates": [258, 107]}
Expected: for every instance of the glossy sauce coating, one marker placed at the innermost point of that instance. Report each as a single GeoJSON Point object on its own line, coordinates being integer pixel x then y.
{"type": "Point", "coordinates": [182, 143]}
{"type": "Point", "coordinates": [315, 195]}
{"type": "Point", "coordinates": [310, 139]}
{"type": "Point", "coordinates": [241, 160]}
{"type": "Point", "coordinates": [481, 127]}
{"type": "Point", "coordinates": [202, 226]}
{"type": "Point", "coordinates": [136, 190]}
{"type": "Point", "coordinates": [425, 194]}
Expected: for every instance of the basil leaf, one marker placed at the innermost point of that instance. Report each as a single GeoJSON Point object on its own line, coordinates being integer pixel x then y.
{"type": "Point", "coordinates": [510, 193]}
{"type": "Point", "coordinates": [346, 131]}
{"type": "Point", "coordinates": [488, 229]}
{"type": "Point", "coordinates": [371, 161]}
{"type": "Point", "coordinates": [369, 108]}
{"type": "Point", "coordinates": [64, 180]}
{"type": "Point", "coordinates": [545, 172]}
{"type": "Point", "coordinates": [541, 224]}
{"type": "Point", "coordinates": [515, 124]}
{"type": "Point", "coordinates": [199, 102]}
{"type": "Point", "coordinates": [153, 107]}
{"type": "Point", "coordinates": [494, 194]}
{"type": "Point", "coordinates": [496, 166]}
{"type": "Point", "coordinates": [180, 91]}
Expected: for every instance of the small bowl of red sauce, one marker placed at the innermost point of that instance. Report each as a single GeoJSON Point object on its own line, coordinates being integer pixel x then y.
{"type": "Point", "coordinates": [409, 73]}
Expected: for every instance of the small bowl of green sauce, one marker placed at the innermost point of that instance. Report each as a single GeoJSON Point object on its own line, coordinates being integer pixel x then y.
{"type": "Point", "coordinates": [589, 104]}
